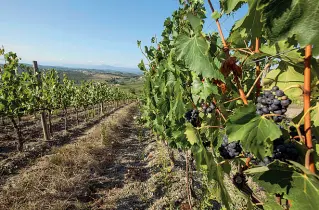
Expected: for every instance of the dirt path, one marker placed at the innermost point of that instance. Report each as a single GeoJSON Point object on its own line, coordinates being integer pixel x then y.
{"type": "Point", "coordinates": [129, 171]}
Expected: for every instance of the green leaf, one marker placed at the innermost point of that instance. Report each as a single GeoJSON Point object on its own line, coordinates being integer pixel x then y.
{"type": "Point", "coordinates": [290, 56]}
{"type": "Point", "coordinates": [284, 79]}
{"type": "Point", "coordinates": [179, 108]}
{"type": "Point", "coordinates": [315, 119]}
{"type": "Point", "coordinates": [283, 19]}
{"type": "Point", "coordinates": [194, 51]}
{"type": "Point", "coordinates": [302, 189]}
{"type": "Point", "coordinates": [202, 89]}
{"type": "Point", "coordinates": [231, 6]}
{"type": "Point", "coordinates": [216, 15]}
{"type": "Point", "coordinates": [256, 133]}
{"type": "Point", "coordinates": [251, 23]}
{"type": "Point", "coordinates": [191, 134]}
{"type": "Point", "coordinates": [195, 22]}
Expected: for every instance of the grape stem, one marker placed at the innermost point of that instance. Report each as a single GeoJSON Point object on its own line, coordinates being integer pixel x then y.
{"type": "Point", "coordinates": [218, 110]}
{"type": "Point", "coordinates": [145, 55]}
{"type": "Point", "coordinates": [243, 50]}
{"type": "Point", "coordinates": [245, 59]}
{"type": "Point", "coordinates": [226, 50]}
{"type": "Point", "coordinates": [293, 86]}
{"type": "Point", "coordinates": [271, 115]}
{"type": "Point", "coordinates": [221, 163]}
{"type": "Point", "coordinates": [234, 99]}
{"type": "Point", "coordinates": [307, 112]}
{"type": "Point", "coordinates": [257, 79]}
{"type": "Point", "coordinates": [209, 126]}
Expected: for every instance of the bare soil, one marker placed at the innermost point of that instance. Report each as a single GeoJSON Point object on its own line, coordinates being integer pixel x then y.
{"type": "Point", "coordinates": [129, 171]}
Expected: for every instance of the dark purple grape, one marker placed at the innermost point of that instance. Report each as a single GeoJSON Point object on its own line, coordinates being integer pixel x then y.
{"type": "Point", "coordinates": [278, 112]}
{"type": "Point", "coordinates": [275, 107]}
{"type": "Point", "coordinates": [231, 150]}
{"type": "Point", "coordinates": [209, 110]}
{"type": "Point", "coordinates": [259, 99]}
{"type": "Point", "coordinates": [269, 101]}
{"type": "Point", "coordinates": [259, 106]}
{"type": "Point", "coordinates": [283, 111]}
{"type": "Point", "coordinates": [277, 102]}
{"type": "Point", "coordinates": [284, 103]}
{"type": "Point", "coordinates": [271, 96]}
{"type": "Point", "coordinates": [275, 88]}
{"type": "Point", "coordinates": [265, 110]}
{"type": "Point", "coordinates": [281, 148]}
{"type": "Point", "coordinates": [259, 112]}
{"type": "Point", "coordinates": [280, 93]}
{"type": "Point", "coordinates": [277, 119]}
{"type": "Point", "coordinates": [263, 101]}
{"type": "Point", "coordinates": [267, 93]}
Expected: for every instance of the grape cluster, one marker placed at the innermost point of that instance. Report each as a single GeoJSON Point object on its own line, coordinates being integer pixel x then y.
{"type": "Point", "coordinates": [192, 116]}
{"type": "Point", "coordinates": [282, 151]}
{"type": "Point", "coordinates": [274, 101]}
{"type": "Point", "coordinates": [239, 180]}
{"type": "Point", "coordinates": [229, 150]}
{"type": "Point", "coordinates": [208, 108]}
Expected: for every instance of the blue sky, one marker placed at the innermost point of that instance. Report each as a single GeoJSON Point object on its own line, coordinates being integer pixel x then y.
{"type": "Point", "coordinates": [88, 32]}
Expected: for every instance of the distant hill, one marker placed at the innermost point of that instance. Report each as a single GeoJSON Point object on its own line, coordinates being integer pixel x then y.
{"type": "Point", "coordinates": [106, 68]}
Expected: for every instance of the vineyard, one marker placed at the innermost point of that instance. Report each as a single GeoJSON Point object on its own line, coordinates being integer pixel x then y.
{"type": "Point", "coordinates": [224, 102]}
{"type": "Point", "coordinates": [222, 122]}
{"type": "Point", "coordinates": [28, 94]}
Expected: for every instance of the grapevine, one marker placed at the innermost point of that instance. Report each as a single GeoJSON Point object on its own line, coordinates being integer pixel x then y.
{"type": "Point", "coordinates": [23, 92]}
{"type": "Point", "coordinates": [194, 80]}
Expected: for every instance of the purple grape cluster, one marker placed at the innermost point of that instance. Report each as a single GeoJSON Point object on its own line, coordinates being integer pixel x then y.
{"type": "Point", "coordinates": [229, 150]}
{"type": "Point", "coordinates": [192, 116]}
{"type": "Point", "coordinates": [208, 108]}
{"type": "Point", "coordinates": [282, 151]}
{"type": "Point", "coordinates": [273, 101]}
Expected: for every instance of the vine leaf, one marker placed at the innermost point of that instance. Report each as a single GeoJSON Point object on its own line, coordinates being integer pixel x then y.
{"type": "Point", "coordinates": [216, 15]}
{"type": "Point", "coordinates": [284, 19]}
{"type": "Point", "coordinates": [191, 134]}
{"type": "Point", "coordinates": [194, 51]}
{"type": "Point", "coordinates": [195, 22]}
{"type": "Point", "coordinates": [290, 56]}
{"type": "Point", "coordinates": [231, 6]}
{"type": "Point", "coordinates": [206, 160]}
{"type": "Point", "coordinates": [284, 79]}
{"type": "Point", "coordinates": [256, 133]}
{"type": "Point", "coordinates": [299, 186]}
{"type": "Point", "coordinates": [251, 23]}
{"type": "Point", "coordinates": [201, 90]}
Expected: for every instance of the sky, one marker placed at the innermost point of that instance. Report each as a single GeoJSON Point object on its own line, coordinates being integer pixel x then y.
{"type": "Point", "coordinates": [87, 32]}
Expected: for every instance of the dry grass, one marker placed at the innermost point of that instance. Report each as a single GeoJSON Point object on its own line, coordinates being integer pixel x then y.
{"type": "Point", "coordinates": [62, 180]}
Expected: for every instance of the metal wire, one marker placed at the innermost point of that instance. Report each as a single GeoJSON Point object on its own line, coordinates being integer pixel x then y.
{"type": "Point", "coordinates": [272, 56]}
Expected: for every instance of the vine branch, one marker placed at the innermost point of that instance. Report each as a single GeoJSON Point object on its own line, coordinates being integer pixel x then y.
{"type": "Point", "coordinates": [307, 91]}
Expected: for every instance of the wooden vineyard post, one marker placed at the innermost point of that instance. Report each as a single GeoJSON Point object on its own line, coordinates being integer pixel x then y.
{"type": "Point", "coordinates": [306, 94]}
{"type": "Point", "coordinates": [43, 116]}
